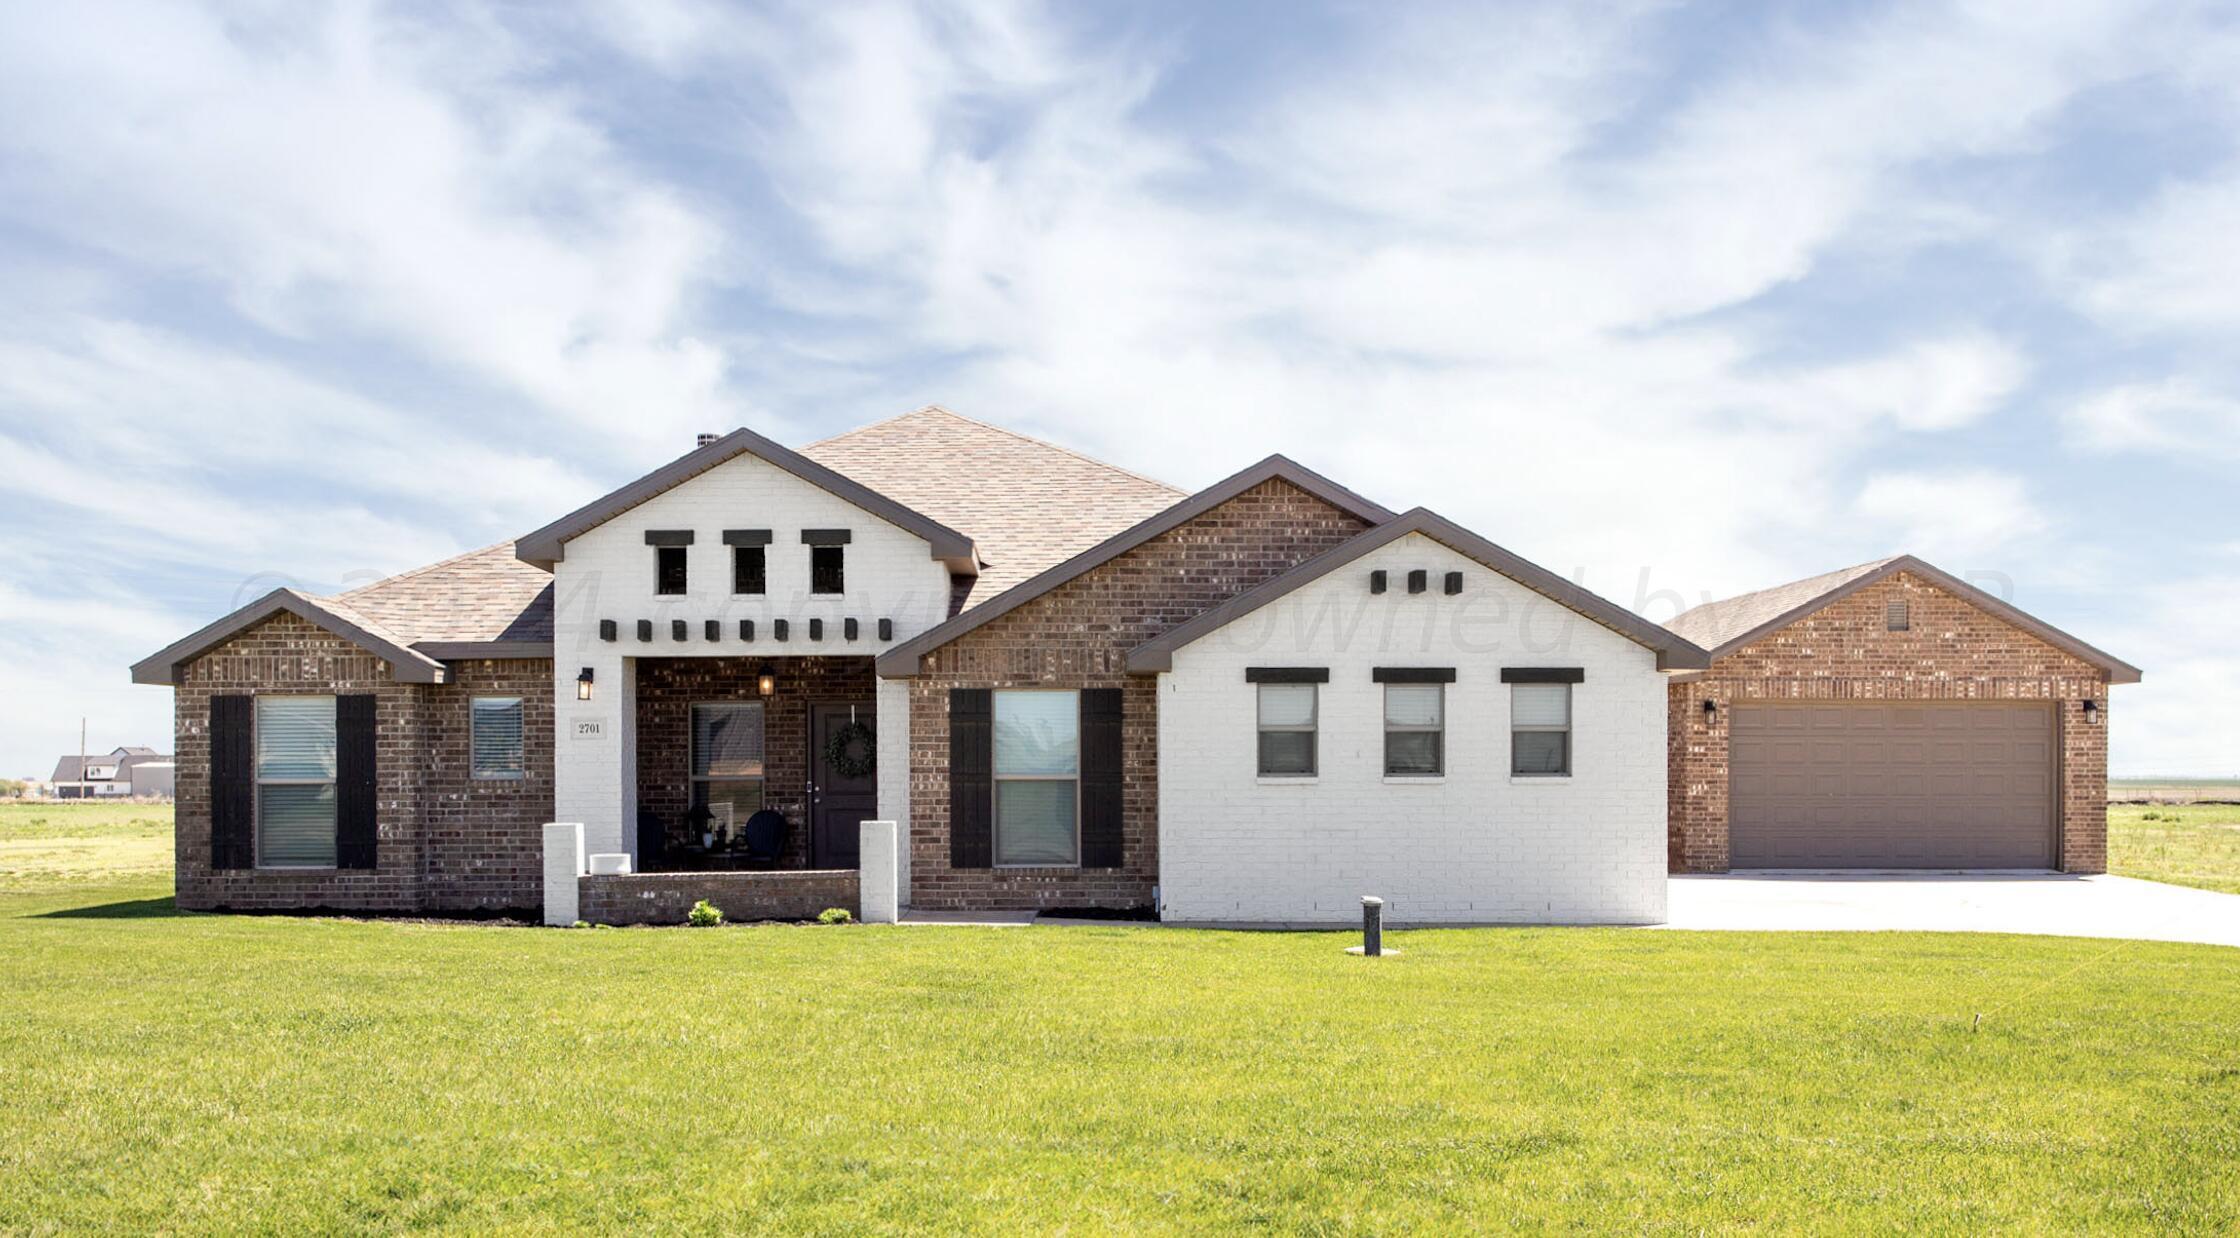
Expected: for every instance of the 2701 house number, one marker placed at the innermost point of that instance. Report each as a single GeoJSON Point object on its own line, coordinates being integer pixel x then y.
{"type": "Point", "coordinates": [591, 728]}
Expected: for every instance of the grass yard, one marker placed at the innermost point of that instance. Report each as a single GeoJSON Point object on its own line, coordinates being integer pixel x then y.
{"type": "Point", "coordinates": [2188, 844]}
{"type": "Point", "coordinates": [185, 1072]}
{"type": "Point", "coordinates": [49, 846]}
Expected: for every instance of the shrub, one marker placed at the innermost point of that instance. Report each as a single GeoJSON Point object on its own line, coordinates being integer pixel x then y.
{"type": "Point", "coordinates": [704, 914]}
{"type": "Point", "coordinates": [836, 915]}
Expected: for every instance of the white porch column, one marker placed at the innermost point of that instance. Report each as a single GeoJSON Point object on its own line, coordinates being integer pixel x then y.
{"type": "Point", "coordinates": [563, 864]}
{"type": "Point", "coordinates": [894, 774]}
{"type": "Point", "coordinates": [594, 774]}
{"type": "Point", "coordinates": [879, 893]}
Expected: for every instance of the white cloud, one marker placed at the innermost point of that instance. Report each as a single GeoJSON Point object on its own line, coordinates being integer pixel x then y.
{"type": "Point", "coordinates": [351, 170]}
{"type": "Point", "coordinates": [2172, 416]}
{"type": "Point", "coordinates": [1939, 384]}
{"type": "Point", "coordinates": [1955, 517]}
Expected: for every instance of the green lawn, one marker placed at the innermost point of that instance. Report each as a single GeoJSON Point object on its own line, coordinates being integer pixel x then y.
{"type": "Point", "coordinates": [2190, 844]}
{"type": "Point", "coordinates": [184, 1072]}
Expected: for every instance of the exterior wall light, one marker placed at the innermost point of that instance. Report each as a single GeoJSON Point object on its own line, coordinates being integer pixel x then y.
{"type": "Point", "coordinates": [767, 682]}
{"type": "Point", "coordinates": [1710, 711]}
{"type": "Point", "coordinates": [2091, 711]}
{"type": "Point", "coordinates": [583, 685]}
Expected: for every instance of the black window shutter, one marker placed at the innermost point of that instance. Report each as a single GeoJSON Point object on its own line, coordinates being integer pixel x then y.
{"type": "Point", "coordinates": [233, 783]}
{"type": "Point", "coordinates": [972, 768]}
{"type": "Point", "coordinates": [355, 829]}
{"type": "Point", "coordinates": [1100, 778]}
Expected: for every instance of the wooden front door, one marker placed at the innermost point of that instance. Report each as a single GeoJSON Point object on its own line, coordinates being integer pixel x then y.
{"type": "Point", "coordinates": [838, 804]}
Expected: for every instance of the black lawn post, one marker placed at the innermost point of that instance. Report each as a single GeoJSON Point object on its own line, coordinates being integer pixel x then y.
{"type": "Point", "coordinates": [1372, 925]}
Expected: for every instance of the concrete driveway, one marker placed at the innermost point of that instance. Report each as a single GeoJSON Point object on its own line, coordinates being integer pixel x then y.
{"type": "Point", "coordinates": [2051, 903]}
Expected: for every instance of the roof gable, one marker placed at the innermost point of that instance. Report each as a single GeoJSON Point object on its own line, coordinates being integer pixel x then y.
{"type": "Point", "coordinates": [548, 545]}
{"type": "Point", "coordinates": [1725, 626]}
{"type": "Point", "coordinates": [407, 664]}
{"type": "Point", "coordinates": [1673, 652]}
{"type": "Point", "coordinates": [902, 660]}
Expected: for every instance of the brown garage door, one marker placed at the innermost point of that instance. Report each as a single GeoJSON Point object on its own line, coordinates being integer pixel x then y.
{"type": "Point", "coordinates": [1913, 785]}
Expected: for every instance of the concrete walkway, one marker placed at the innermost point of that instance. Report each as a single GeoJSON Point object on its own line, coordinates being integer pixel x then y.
{"type": "Point", "coordinates": [2050, 903]}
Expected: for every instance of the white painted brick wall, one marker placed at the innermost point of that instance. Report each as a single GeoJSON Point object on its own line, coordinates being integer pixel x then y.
{"type": "Point", "coordinates": [608, 573]}
{"type": "Point", "coordinates": [894, 772]}
{"type": "Point", "coordinates": [1476, 846]}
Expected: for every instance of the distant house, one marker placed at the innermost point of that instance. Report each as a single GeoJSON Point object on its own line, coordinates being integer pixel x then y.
{"type": "Point", "coordinates": [118, 772]}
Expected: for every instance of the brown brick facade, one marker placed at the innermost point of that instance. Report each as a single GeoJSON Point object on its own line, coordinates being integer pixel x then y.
{"type": "Point", "coordinates": [446, 842]}
{"type": "Point", "coordinates": [669, 687]}
{"type": "Point", "coordinates": [1078, 636]}
{"type": "Point", "coordinates": [1952, 650]}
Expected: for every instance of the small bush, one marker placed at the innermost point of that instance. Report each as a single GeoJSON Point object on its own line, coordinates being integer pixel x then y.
{"type": "Point", "coordinates": [836, 915]}
{"type": "Point", "coordinates": [581, 924]}
{"type": "Point", "coordinates": [704, 914]}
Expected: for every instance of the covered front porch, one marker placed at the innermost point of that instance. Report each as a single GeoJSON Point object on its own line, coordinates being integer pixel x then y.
{"type": "Point", "coordinates": [753, 764]}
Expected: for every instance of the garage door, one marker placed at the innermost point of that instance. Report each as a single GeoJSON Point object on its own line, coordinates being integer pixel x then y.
{"type": "Point", "coordinates": [1941, 785]}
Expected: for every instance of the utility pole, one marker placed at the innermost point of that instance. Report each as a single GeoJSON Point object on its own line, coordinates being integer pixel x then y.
{"type": "Point", "coordinates": [81, 756]}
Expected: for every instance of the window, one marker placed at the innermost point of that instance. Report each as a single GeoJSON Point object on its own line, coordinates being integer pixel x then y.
{"type": "Point", "coordinates": [295, 781]}
{"type": "Point", "coordinates": [746, 569]}
{"type": "Point", "coordinates": [1896, 615]}
{"type": "Point", "coordinates": [1287, 724]}
{"type": "Point", "coordinates": [669, 574]}
{"type": "Point", "coordinates": [1540, 730]}
{"type": "Point", "coordinates": [826, 569]}
{"type": "Point", "coordinates": [1038, 778]}
{"type": "Point", "coordinates": [1415, 719]}
{"type": "Point", "coordinates": [494, 737]}
{"type": "Point", "coordinates": [726, 765]}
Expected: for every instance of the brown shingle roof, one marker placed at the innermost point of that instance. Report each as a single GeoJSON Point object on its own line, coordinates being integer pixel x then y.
{"type": "Point", "coordinates": [1715, 623]}
{"type": "Point", "coordinates": [482, 595]}
{"type": "Point", "coordinates": [1026, 504]}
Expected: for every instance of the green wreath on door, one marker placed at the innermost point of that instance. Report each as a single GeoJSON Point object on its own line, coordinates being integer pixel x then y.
{"type": "Point", "coordinates": [844, 756]}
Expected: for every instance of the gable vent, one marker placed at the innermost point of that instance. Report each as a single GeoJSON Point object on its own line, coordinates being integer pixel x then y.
{"type": "Point", "coordinates": [1896, 617]}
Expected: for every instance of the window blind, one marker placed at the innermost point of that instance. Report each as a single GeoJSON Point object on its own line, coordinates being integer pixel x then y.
{"type": "Point", "coordinates": [727, 740]}
{"type": "Point", "coordinates": [496, 737]}
{"type": "Point", "coordinates": [1541, 704]}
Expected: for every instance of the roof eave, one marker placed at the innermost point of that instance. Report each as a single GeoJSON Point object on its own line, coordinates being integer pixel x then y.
{"type": "Point", "coordinates": [163, 667]}
{"type": "Point", "coordinates": [2117, 670]}
{"type": "Point", "coordinates": [548, 545]}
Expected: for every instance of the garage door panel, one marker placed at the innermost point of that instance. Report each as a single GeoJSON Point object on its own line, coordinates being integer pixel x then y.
{"type": "Point", "coordinates": [1913, 785]}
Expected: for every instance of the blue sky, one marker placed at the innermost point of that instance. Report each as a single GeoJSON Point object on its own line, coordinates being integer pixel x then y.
{"type": "Point", "coordinates": [1681, 299]}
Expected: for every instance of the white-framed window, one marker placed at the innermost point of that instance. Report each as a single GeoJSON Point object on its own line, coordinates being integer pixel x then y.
{"type": "Point", "coordinates": [295, 782]}
{"type": "Point", "coordinates": [1038, 778]}
{"type": "Point", "coordinates": [1415, 730]}
{"type": "Point", "coordinates": [1540, 730]}
{"type": "Point", "coordinates": [494, 738]}
{"type": "Point", "coordinates": [1287, 730]}
{"type": "Point", "coordinates": [726, 766]}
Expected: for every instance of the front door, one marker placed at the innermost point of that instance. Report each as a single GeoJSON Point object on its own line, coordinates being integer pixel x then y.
{"type": "Point", "coordinates": [842, 794]}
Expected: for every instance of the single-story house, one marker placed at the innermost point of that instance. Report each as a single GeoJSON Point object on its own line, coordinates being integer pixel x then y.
{"type": "Point", "coordinates": [120, 772]}
{"type": "Point", "coordinates": [1068, 686]}
{"type": "Point", "coordinates": [1888, 716]}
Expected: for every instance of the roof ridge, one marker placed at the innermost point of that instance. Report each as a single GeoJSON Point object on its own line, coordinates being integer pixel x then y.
{"type": "Point", "coordinates": [418, 571]}
{"type": "Point", "coordinates": [946, 411]}
{"type": "Point", "coordinates": [1871, 565]}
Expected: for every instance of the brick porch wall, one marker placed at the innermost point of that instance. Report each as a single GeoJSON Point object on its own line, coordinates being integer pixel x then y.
{"type": "Point", "coordinates": [669, 687]}
{"type": "Point", "coordinates": [665, 898]}
{"type": "Point", "coordinates": [286, 655]}
{"type": "Point", "coordinates": [1078, 636]}
{"type": "Point", "coordinates": [1952, 651]}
